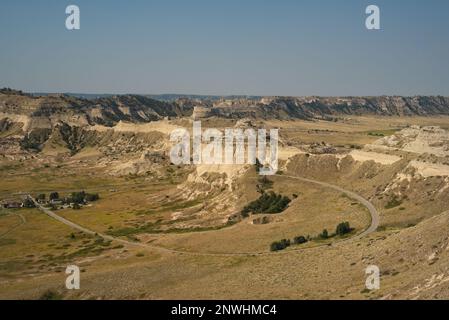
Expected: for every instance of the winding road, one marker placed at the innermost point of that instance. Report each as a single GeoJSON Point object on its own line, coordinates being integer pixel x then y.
{"type": "Point", "coordinates": [372, 228]}
{"type": "Point", "coordinates": [375, 218]}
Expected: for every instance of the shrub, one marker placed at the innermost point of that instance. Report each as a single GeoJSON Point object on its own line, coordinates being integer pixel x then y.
{"type": "Point", "coordinates": [280, 245]}
{"type": "Point", "coordinates": [83, 197]}
{"type": "Point", "coordinates": [267, 203]}
{"type": "Point", "coordinates": [50, 295]}
{"type": "Point", "coordinates": [343, 228]}
{"type": "Point", "coordinates": [300, 240]}
{"type": "Point", "coordinates": [324, 234]}
{"type": "Point", "coordinates": [54, 196]}
{"type": "Point", "coordinates": [78, 197]}
{"type": "Point", "coordinates": [258, 165]}
{"type": "Point", "coordinates": [28, 203]}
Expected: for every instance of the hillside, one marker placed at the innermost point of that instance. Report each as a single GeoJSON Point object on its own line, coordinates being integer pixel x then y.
{"type": "Point", "coordinates": [50, 109]}
{"type": "Point", "coordinates": [47, 110]}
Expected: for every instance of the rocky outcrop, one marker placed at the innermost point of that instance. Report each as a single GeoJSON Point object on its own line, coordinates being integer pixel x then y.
{"type": "Point", "coordinates": [47, 111]}
{"type": "Point", "coordinates": [286, 108]}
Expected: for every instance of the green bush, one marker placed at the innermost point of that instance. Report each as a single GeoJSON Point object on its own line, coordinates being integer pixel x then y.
{"type": "Point", "coordinates": [83, 197]}
{"type": "Point", "coordinates": [280, 245]}
{"type": "Point", "coordinates": [54, 196]}
{"type": "Point", "coordinates": [50, 295]}
{"type": "Point", "coordinates": [78, 197]}
{"type": "Point", "coordinates": [324, 234]}
{"type": "Point", "coordinates": [343, 228]}
{"type": "Point", "coordinates": [267, 203]}
{"type": "Point", "coordinates": [28, 203]}
{"type": "Point", "coordinates": [300, 240]}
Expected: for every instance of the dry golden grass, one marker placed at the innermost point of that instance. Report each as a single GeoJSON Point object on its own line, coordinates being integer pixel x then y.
{"type": "Point", "coordinates": [306, 215]}
{"type": "Point", "coordinates": [31, 261]}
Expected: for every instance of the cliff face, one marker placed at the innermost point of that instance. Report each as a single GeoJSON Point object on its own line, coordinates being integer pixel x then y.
{"type": "Point", "coordinates": [45, 112]}
{"type": "Point", "coordinates": [316, 107]}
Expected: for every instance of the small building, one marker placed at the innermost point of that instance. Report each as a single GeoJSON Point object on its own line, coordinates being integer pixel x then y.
{"type": "Point", "coordinates": [11, 204]}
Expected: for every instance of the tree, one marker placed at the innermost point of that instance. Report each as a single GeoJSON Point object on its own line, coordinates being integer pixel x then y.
{"type": "Point", "coordinates": [54, 196]}
{"type": "Point", "coordinates": [41, 197]}
{"type": "Point", "coordinates": [78, 197]}
{"type": "Point", "coordinates": [343, 228]}
{"type": "Point", "coordinates": [280, 245]}
{"type": "Point", "coordinates": [258, 165]}
{"type": "Point", "coordinates": [324, 234]}
{"type": "Point", "coordinates": [300, 240]}
{"type": "Point", "coordinates": [28, 203]}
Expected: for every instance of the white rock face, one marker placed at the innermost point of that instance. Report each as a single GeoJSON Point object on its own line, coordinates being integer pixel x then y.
{"type": "Point", "coordinates": [420, 140]}
{"type": "Point", "coordinates": [381, 158]}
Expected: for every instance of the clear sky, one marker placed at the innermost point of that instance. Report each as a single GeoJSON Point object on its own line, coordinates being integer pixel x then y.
{"type": "Point", "coordinates": [254, 47]}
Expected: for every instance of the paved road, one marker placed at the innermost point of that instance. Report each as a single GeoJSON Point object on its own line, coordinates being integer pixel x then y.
{"type": "Point", "coordinates": [93, 233]}
{"type": "Point", "coordinates": [372, 210]}
{"type": "Point", "coordinates": [352, 195]}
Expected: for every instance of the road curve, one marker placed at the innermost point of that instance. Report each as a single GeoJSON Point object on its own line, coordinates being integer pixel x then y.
{"type": "Point", "coordinates": [373, 227]}
{"type": "Point", "coordinates": [375, 218]}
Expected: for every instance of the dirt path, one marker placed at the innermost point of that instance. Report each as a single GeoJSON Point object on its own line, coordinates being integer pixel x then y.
{"type": "Point", "coordinates": [22, 222]}
{"type": "Point", "coordinates": [373, 227]}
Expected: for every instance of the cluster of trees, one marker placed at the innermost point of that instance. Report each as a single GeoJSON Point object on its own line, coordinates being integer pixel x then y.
{"type": "Point", "coordinates": [285, 243]}
{"type": "Point", "coordinates": [341, 230]}
{"type": "Point", "coordinates": [77, 198]}
{"type": "Point", "coordinates": [83, 197]}
{"type": "Point", "coordinates": [52, 196]}
{"type": "Point", "coordinates": [267, 203]}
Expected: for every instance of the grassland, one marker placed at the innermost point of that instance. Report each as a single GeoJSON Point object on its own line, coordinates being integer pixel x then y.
{"type": "Point", "coordinates": [33, 256]}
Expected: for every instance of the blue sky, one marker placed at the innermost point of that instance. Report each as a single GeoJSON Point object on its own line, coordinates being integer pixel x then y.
{"type": "Point", "coordinates": [254, 47]}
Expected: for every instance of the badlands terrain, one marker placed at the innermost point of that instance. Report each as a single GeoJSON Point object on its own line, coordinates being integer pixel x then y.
{"type": "Point", "coordinates": [163, 231]}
